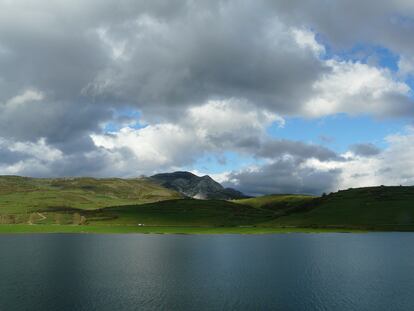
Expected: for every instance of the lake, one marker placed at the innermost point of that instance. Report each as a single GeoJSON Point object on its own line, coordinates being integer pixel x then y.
{"type": "Point", "coordinates": [373, 271]}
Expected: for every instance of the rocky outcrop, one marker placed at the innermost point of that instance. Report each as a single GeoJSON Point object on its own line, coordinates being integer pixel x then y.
{"type": "Point", "coordinates": [196, 187]}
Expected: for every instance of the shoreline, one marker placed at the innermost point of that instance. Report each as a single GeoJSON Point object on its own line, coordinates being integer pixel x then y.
{"type": "Point", "coordinates": [185, 230]}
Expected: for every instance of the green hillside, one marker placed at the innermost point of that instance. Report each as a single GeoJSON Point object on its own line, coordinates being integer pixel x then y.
{"type": "Point", "coordinates": [279, 204]}
{"type": "Point", "coordinates": [382, 208]}
{"type": "Point", "coordinates": [184, 212]}
{"type": "Point", "coordinates": [24, 195]}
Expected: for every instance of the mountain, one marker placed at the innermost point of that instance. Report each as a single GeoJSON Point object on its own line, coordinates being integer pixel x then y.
{"type": "Point", "coordinates": [196, 187]}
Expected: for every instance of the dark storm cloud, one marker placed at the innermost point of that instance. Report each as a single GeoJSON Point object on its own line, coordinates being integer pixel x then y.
{"type": "Point", "coordinates": [59, 122]}
{"type": "Point", "coordinates": [365, 150]}
{"type": "Point", "coordinates": [53, 47]}
{"type": "Point", "coordinates": [284, 176]}
{"type": "Point", "coordinates": [8, 156]}
{"type": "Point", "coordinates": [171, 55]}
{"type": "Point", "coordinates": [221, 50]}
{"type": "Point", "coordinates": [174, 56]}
{"type": "Point", "coordinates": [342, 23]}
{"type": "Point", "coordinates": [88, 59]}
{"type": "Point", "coordinates": [95, 163]}
{"type": "Point", "coordinates": [276, 148]}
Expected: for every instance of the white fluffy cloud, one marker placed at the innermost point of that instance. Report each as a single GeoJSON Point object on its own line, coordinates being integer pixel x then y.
{"type": "Point", "coordinates": [306, 39]}
{"type": "Point", "coordinates": [406, 65]}
{"type": "Point", "coordinates": [216, 126]}
{"type": "Point", "coordinates": [33, 157]}
{"type": "Point", "coordinates": [392, 166]}
{"type": "Point", "coordinates": [356, 88]}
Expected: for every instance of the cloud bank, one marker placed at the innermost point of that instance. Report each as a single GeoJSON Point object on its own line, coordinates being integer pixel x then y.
{"type": "Point", "coordinates": [124, 88]}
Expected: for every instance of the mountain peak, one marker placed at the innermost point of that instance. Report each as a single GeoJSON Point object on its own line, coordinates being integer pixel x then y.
{"type": "Point", "coordinates": [177, 174]}
{"type": "Point", "coordinates": [196, 187]}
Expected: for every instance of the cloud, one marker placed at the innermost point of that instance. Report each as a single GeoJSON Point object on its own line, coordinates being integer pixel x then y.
{"type": "Point", "coordinates": [356, 88]}
{"type": "Point", "coordinates": [275, 148]}
{"type": "Point", "coordinates": [364, 165]}
{"type": "Point", "coordinates": [9, 157]}
{"type": "Point", "coordinates": [163, 59]}
{"type": "Point", "coordinates": [74, 65]}
{"type": "Point", "coordinates": [31, 115]}
{"type": "Point", "coordinates": [406, 66]}
{"type": "Point", "coordinates": [284, 175]}
{"type": "Point", "coordinates": [21, 99]}
{"type": "Point", "coordinates": [365, 149]}
{"type": "Point", "coordinates": [344, 23]}
{"type": "Point", "coordinates": [38, 159]}
{"type": "Point", "coordinates": [17, 156]}
{"type": "Point", "coordinates": [206, 77]}
{"type": "Point", "coordinates": [306, 39]}
{"type": "Point", "coordinates": [276, 66]}
{"type": "Point", "coordinates": [199, 57]}
{"type": "Point", "coordinates": [215, 127]}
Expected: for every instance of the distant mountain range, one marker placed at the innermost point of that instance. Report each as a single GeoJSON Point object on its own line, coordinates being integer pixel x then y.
{"type": "Point", "coordinates": [193, 186]}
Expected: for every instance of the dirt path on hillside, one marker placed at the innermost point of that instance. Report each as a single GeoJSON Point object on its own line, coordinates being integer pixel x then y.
{"type": "Point", "coordinates": [42, 216]}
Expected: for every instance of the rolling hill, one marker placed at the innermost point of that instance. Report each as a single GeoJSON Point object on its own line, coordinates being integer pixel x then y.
{"type": "Point", "coordinates": [23, 194]}
{"type": "Point", "coordinates": [380, 208]}
{"type": "Point", "coordinates": [279, 204]}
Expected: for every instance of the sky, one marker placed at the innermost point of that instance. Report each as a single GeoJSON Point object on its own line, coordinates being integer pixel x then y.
{"type": "Point", "coordinates": [266, 96]}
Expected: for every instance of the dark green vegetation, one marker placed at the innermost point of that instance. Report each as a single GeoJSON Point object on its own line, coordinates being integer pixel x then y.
{"type": "Point", "coordinates": [140, 205]}
{"type": "Point", "coordinates": [280, 204]}
{"type": "Point", "coordinates": [372, 208]}
{"type": "Point", "coordinates": [185, 212]}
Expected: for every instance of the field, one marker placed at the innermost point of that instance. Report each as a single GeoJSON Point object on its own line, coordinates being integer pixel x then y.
{"type": "Point", "coordinates": [139, 205]}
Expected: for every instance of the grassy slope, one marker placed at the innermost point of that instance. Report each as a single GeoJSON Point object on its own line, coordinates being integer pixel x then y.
{"type": "Point", "coordinates": [25, 195]}
{"type": "Point", "coordinates": [185, 212]}
{"type": "Point", "coordinates": [274, 200]}
{"type": "Point", "coordinates": [387, 208]}
{"type": "Point", "coordinates": [278, 204]}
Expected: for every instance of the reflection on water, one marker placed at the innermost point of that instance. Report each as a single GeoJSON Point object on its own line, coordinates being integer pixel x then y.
{"type": "Point", "coordinates": [219, 272]}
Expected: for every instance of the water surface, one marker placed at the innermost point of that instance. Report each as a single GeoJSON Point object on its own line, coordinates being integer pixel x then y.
{"type": "Point", "coordinates": [372, 271]}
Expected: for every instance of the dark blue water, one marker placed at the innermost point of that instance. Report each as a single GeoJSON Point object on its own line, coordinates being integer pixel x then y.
{"type": "Point", "coordinates": [219, 272]}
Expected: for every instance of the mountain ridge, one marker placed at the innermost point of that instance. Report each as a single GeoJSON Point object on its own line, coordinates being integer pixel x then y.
{"type": "Point", "coordinates": [196, 187]}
